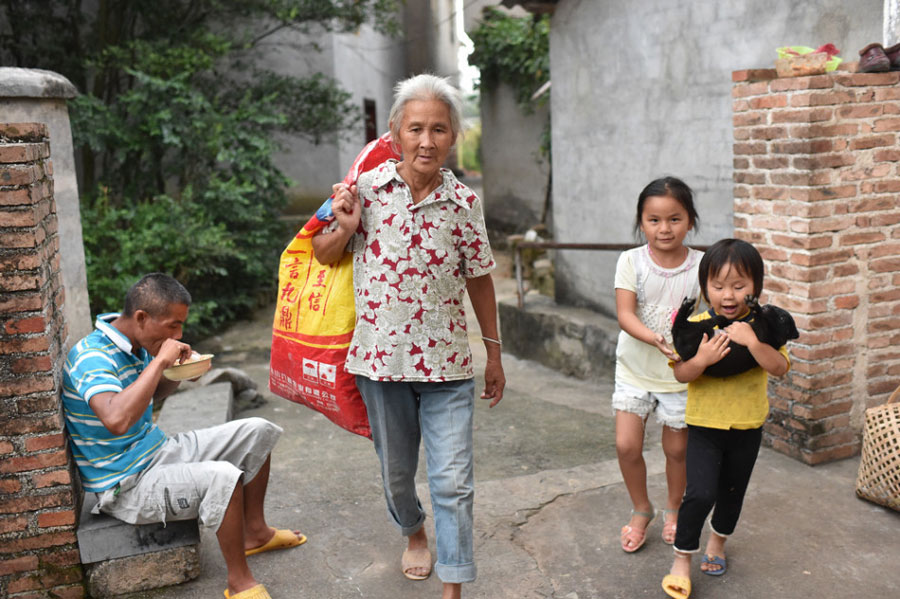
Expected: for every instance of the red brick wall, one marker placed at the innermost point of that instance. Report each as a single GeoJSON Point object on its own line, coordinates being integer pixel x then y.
{"type": "Point", "coordinates": [38, 555]}
{"type": "Point", "coordinates": [817, 191]}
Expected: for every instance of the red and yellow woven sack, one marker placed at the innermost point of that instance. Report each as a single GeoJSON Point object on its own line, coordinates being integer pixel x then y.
{"type": "Point", "coordinates": [315, 316]}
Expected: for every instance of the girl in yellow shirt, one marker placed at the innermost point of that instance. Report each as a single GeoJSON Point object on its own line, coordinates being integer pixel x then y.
{"type": "Point", "coordinates": [724, 415]}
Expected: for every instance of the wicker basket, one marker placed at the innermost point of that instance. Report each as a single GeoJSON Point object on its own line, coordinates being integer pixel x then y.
{"type": "Point", "coordinates": [879, 469]}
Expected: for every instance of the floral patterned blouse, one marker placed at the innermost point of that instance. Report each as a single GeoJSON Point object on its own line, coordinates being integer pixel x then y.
{"type": "Point", "coordinates": [410, 266]}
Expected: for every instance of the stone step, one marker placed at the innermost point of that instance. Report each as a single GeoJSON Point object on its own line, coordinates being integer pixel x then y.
{"type": "Point", "coordinates": [572, 341]}
{"type": "Point", "coordinates": [102, 537]}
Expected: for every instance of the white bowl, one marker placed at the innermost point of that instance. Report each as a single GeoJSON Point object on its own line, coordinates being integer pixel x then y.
{"type": "Point", "coordinates": [194, 367]}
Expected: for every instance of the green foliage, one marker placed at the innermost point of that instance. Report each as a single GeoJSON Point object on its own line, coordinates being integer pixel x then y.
{"type": "Point", "coordinates": [470, 149]}
{"type": "Point", "coordinates": [175, 133]}
{"type": "Point", "coordinates": [201, 251]}
{"type": "Point", "coordinates": [515, 51]}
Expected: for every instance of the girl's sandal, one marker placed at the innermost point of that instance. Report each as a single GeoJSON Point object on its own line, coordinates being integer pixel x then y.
{"type": "Point", "coordinates": [630, 534]}
{"type": "Point", "coordinates": [669, 527]}
{"type": "Point", "coordinates": [715, 560]}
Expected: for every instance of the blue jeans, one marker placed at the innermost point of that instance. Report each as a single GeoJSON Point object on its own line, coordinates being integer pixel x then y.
{"type": "Point", "coordinates": [402, 413]}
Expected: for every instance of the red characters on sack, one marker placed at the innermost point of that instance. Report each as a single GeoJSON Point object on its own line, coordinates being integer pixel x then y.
{"type": "Point", "coordinates": [294, 268]}
{"type": "Point", "coordinates": [286, 319]}
{"type": "Point", "coordinates": [289, 293]}
{"type": "Point", "coordinates": [315, 301]}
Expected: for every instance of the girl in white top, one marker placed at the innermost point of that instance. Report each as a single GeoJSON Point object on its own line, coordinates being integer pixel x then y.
{"type": "Point", "coordinates": [651, 282]}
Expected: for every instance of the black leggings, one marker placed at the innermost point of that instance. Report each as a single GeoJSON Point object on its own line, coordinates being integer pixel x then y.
{"type": "Point", "coordinates": [719, 464]}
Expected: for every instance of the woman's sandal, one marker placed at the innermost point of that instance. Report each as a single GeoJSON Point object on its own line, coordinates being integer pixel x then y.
{"type": "Point", "coordinates": [629, 530]}
{"type": "Point", "coordinates": [416, 559]}
{"type": "Point", "coordinates": [669, 528]}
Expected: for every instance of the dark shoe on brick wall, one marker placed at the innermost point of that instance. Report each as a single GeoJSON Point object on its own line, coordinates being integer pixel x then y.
{"type": "Point", "coordinates": [872, 59]}
{"type": "Point", "coordinates": [893, 54]}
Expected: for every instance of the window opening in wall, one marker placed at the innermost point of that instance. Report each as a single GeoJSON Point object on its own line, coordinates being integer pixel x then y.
{"type": "Point", "coordinates": [369, 111]}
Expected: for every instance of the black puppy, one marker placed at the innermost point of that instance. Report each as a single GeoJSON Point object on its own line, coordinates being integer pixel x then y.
{"type": "Point", "coordinates": [771, 324]}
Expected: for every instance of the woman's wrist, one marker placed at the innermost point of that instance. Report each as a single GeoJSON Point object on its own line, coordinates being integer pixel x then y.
{"type": "Point", "coordinates": [492, 340]}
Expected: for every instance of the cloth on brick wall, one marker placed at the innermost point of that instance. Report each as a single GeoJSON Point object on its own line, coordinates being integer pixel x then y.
{"type": "Point", "coordinates": [315, 317]}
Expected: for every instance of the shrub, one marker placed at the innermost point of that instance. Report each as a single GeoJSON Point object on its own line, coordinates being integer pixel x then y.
{"type": "Point", "coordinates": [174, 133]}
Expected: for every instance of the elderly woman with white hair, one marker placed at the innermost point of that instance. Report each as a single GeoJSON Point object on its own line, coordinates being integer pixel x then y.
{"type": "Point", "coordinates": [419, 244]}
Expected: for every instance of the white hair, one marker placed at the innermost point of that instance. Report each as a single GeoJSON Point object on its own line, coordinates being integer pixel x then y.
{"type": "Point", "coordinates": [426, 87]}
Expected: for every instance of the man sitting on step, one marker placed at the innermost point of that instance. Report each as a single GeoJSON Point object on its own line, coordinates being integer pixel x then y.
{"type": "Point", "coordinates": [217, 475]}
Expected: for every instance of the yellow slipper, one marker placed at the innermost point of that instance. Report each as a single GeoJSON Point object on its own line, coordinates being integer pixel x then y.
{"type": "Point", "coordinates": [282, 539]}
{"type": "Point", "coordinates": [416, 559]}
{"type": "Point", "coordinates": [678, 587]}
{"type": "Point", "coordinates": [257, 592]}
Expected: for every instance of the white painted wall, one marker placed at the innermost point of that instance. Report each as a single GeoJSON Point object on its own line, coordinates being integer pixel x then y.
{"type": "Point", "coordinates": [312, 168]}
{"type": "Point", "coordinates": [444, 41]}
{"type": "Point", "coordinates": [515, 176]}
{"type": "Point", "coordinates": [431, 38]}
{"type": "Point", "coordinates": [368, 65]}
{"type": "Point", "coordinates": [891, 22]}
{"type": "Point", "coordinates": [643, 89]}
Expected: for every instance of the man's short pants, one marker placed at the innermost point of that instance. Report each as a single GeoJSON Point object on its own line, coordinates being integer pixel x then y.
{"type": "Point", "coordinates": [193, 475]}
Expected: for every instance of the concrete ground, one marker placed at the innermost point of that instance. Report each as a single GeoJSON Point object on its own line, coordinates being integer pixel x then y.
{"type": "Point", "coordinates": [549, 505]}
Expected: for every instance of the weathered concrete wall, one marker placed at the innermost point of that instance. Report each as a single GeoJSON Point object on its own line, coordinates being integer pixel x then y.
{"type": "Point", "coordinates": [431, 40]}
{"type": "Point", "coordinates": [37, 96]}
{"type": "Point", "coordinates": [643, 89]}
{"type": "Point", "coordinates": [515, 174]}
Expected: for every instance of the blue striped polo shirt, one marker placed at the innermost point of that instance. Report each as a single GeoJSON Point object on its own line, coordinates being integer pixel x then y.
{"type": "Point", "coordinates": [102, 362]}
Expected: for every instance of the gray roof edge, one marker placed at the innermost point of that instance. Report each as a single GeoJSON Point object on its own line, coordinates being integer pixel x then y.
{"type": "Point", "coordinates": [16, 82]}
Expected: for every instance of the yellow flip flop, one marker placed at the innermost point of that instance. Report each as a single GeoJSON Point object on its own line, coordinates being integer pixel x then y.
{"type": "Point", "coordinates": [257, 592]}
{"type": "Point", "coordinates": [282, 539]}
{"type": "Point", "coordinates": [675, 586]}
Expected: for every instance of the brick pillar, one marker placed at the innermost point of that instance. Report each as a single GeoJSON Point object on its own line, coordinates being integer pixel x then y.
{"type": "Point", "coordinates": [39, 96]}
{"type": "Point", "coordinates": [38, 555]}
{"type": "Point", "coordinates": [817, 191]}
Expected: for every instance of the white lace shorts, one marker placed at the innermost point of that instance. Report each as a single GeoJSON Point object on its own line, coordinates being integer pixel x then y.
{"type": "Point", "coordinates": [669, 407]}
